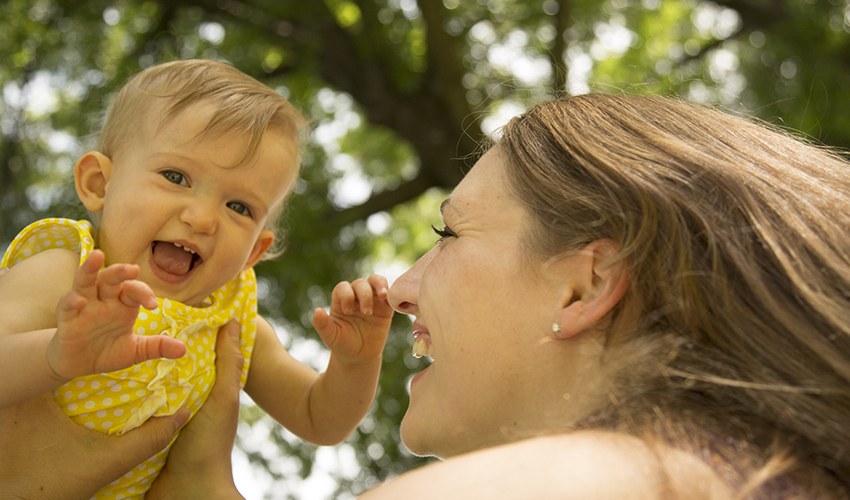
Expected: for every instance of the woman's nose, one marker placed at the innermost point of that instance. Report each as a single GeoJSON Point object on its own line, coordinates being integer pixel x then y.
{"type": "Point", "coordinates": [404, 293]}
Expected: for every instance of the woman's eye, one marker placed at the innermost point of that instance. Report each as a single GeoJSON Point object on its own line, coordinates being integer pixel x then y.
{"type": "Point", "coordinates": [239, 208]}
{"type": "Point", "coordinates": [444, 233]}
{"type": "Point", "coordinates": [175, 177]}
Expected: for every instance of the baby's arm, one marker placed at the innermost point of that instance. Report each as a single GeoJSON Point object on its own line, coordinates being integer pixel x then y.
{"type": "Point", "coordinates": [326, 408]}
{"type": "Point", "coordinates": [43, 345]}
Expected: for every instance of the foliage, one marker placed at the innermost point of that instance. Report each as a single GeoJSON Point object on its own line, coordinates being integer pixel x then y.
{"type": "Point", "coordinates": [398, 93]}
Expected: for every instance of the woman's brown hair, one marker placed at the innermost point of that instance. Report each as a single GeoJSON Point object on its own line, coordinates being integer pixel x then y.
{"type": "Point", "coordinates": [737, 238]}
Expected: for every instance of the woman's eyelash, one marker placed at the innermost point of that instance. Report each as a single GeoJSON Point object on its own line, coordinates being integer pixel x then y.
{"type": "Point", "coordinates": [444, 233]}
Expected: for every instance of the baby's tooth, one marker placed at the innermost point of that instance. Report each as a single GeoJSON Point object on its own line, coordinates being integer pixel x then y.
{"type": "Point", "coordinates": [420, 348]}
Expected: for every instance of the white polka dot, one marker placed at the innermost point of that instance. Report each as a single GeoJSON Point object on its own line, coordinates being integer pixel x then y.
{"type": "Point", "coordinates": [149, 362]}
{"type": "Point", "coordinates": [202, 363]}
{"type": "Point", "coordinates": [137, 368]}
{"type": "Point", "coordinates": [98, 393]}
{"type": "Point", "coordinates": [132, 384]}
{"type": "Point", "coordinates": [68, 395]}
{"type": "Point", "coordinates": [89, 425]}
{"type": "Point", "coordinates": [140, 393]}
{"type": "Point", "coordinates": [116, 388]}
{"type": "Point", "coordinates": [153, 325]}
{"type": "Point", "coordinates": [131, 489]}
{"type": "Point", "coordinates": [80, 383]}
{"type": "Point", "coordinates": [101, 413]}
{"type": "Point", "coordinates": [107, 401]}
{"type": "Point", "coordinates": [118, 412]}
{"type": "Point", "coordinates": [140, 331]}
{"type": "Point", "coordinates": [143, 377]}
{"type": "Point", "coordinates": [190, 343]}
{"type": "Point", "coordinates": [110, 383]}
{"type": "Point", "coordinates": [119, 497]}
{"type": "Point", "coordinates": [95, 384]}
{"type": "Point", "coordinates": [206, 387]}
{"type": "Point", "coordinates": [72, 407]}
{"type": "Point", "coordinates": [89, 405]}
{"type": "Point", "coordinates": [172, 396]}
{"type": "Point", "coordinates": [143, 315]}
{"type": "Point", "coordinates": [124, 398]}
{"type": "Point", "coordinates": [129, 475]}
{"type": "Point", "coordinates": [195, 395]}
{"type": "Point", "coordinates": [82, 395]}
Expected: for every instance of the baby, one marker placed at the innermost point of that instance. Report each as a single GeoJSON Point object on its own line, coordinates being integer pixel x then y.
{"type": "Point", "coordinates": [193, 164]}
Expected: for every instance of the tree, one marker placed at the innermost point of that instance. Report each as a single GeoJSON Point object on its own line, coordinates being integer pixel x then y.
{"type": "Point", "coordinates": [399, 93]}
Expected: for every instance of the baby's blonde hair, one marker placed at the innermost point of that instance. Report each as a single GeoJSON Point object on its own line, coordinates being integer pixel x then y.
{"type": "Point", "coordinates": [243, 105]}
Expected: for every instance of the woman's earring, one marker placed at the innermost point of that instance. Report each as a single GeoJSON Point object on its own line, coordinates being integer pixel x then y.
{"type": "Point", "coordinates": [556, 327]}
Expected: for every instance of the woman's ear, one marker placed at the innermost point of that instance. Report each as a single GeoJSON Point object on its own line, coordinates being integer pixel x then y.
{"type": "Point", "coordinates": [91, 175]}
{"type": "Point", "coordinates": [600, 282]}
{"type": "Point", "coordinates": [264, 241]}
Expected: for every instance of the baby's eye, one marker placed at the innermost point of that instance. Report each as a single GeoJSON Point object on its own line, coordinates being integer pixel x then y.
{"type": "Point", "coordinates": [239, 208]}
{"type": "Point", "coordinates": [444, 233]}
{"type": "Point", "coordinates": [175, 177]}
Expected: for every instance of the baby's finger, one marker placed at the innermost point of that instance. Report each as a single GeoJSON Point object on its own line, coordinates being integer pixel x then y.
{"type": "Point", "coordinates": [109, 280]}
{"type": "Point", "coordinates": [320, 319]}
{"type": "Point", "coordinates": [85, 279]}
{"type": "Point", "coordinates": [135, 293]}
{"type": "Point", "coordinates": [363, 292]}
{"type": "Point", "coordinates": [343, 298]}
{"type": "Point", "coordinates": [68, 306]}
{"type": "Point", "coordinates": [158, 346]}
{"type": "Point", "coordinates": [379, 285]}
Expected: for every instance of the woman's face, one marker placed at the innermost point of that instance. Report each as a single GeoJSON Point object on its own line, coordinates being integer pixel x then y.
{"type": "Point", "coordinates": [483, 305]}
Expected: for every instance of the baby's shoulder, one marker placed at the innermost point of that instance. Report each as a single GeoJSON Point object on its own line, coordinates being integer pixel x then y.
{"type": "Point", "coordinates": [48, 271]}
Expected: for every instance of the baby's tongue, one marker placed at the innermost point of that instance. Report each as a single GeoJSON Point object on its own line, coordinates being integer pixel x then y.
{"type": "Point", "coordinates": [171, 259]}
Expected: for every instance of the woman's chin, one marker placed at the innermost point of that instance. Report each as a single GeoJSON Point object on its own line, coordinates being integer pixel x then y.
{"type": "Point", "coordinates": [414, 437]}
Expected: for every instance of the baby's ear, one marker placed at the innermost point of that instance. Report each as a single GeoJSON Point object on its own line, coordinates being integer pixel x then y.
{"type": "Point", "coordinates": [599, 284]}
{"type": "Point", "coordinates": [264, 241]}
{"type": "Point", "coordinates": [91, 175]}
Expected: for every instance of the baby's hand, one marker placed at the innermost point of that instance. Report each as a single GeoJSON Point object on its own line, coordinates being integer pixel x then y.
{"type": "Point", "coordinates": [359, 320]}
{"type": "Point", "coordinates": [94, 323]}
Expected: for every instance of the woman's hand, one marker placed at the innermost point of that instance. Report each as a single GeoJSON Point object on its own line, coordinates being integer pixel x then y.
{"type": "Point", "coordinates": [45, 455]}
{"type": "Point", "coordinates": [199, 466]}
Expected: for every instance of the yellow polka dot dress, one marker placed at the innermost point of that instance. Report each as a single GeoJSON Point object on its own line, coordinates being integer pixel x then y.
{"type": "Point", "coordinates": [116, 402]}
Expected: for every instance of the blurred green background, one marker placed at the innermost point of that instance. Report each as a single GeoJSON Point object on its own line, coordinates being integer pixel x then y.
{"type": "Point", "coordinates": [398, 93]}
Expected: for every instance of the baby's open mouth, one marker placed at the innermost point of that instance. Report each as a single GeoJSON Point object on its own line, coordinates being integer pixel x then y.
{"type": "Point", "coordinates": [174, 258]}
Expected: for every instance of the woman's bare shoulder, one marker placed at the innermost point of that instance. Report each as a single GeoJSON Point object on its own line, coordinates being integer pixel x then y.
{"type": "Point", "coordinates": [580, 465]}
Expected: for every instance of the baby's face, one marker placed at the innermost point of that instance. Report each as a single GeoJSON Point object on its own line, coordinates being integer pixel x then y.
{"type": "Point", "coordinates": [185, 211]}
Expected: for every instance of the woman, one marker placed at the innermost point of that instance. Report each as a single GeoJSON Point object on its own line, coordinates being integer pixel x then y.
{"type": "Point", "coordinates": [649, 268]}
{"type": "Point", "coordinates": [632, 297]}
